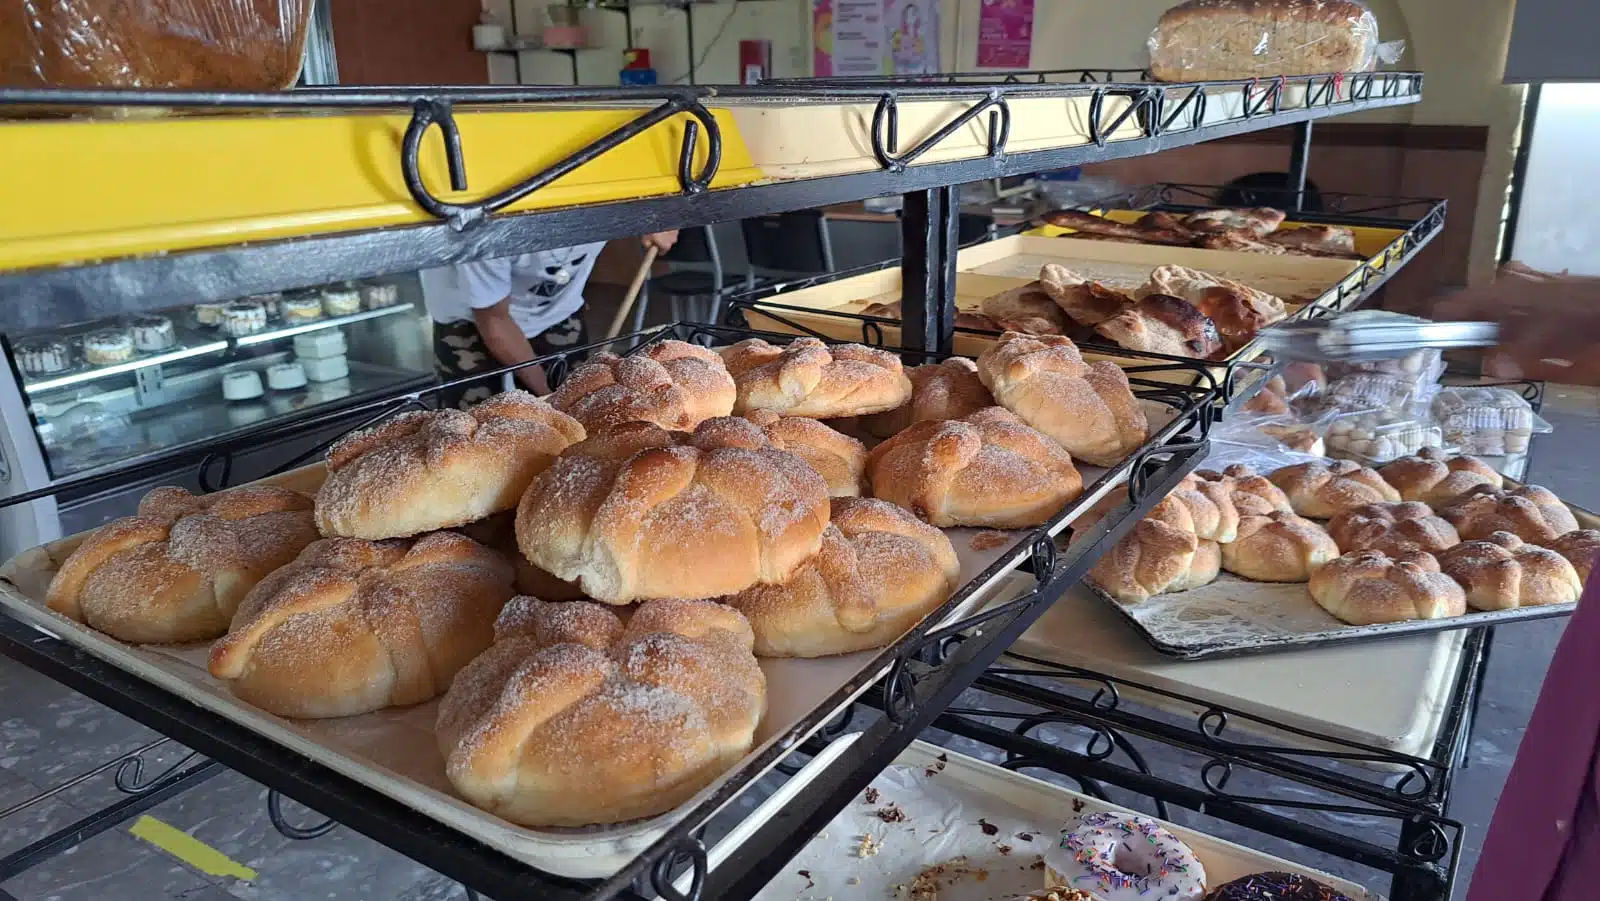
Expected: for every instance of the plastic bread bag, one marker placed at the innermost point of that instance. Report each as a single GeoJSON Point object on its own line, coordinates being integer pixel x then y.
{"type": "Point", "coordinates": [1263, 460]}
{"type": "Point", "coordinates": [1491, 422]}
{"type": "Point", "coordinates": [1375, 438]}
{"type": "Point", "coordinates": [1222, 40]}
{"type": "Point", "coordinates": [1281, 432]}
{"type": "Point", "coordinates": [1364, 392]}
{"type": "Point", "coordinates": [211, 44]}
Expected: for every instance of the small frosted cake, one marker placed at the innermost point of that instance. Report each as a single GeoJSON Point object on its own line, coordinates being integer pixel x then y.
{"type": "Point", "coordinates": [243, 317]}
{"type": "Point", "coordinates": [153, 333]}
{"type": "Point", "coordinates": [301, 306]}
{"type": "Point", "coordinates": [107, 346]}
{"type": "Point", "coordinates": [43, 356]}
{"type": "Point", "coordinates": [341, 300]}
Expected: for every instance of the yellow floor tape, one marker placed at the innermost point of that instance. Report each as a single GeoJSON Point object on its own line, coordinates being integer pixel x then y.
{"type": "Point", "coordinates": [189, 849]}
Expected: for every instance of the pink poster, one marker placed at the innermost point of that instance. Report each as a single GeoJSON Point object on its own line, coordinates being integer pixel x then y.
{"type": "Point", "coordinates": [1005, 34]}
{"type": "Point", "coordinates": [874, 37]}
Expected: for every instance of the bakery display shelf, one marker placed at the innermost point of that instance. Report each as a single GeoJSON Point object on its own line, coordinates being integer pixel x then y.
{"type": "Point", "coordinates": [367, 193]}
{"type": "Point", "coordinates": [452, 837]}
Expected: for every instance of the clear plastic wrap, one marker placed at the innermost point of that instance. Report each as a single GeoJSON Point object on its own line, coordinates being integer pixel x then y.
{"type": "Point", "coordinates": [1488, 421]}
{"type": "Point", "coordinates": [1272, 432]}
{"type": "Point", "coordinates": [214, 44]}
{"type": "Point", "coordinates": [1219, 40]}
{"type": "Point", "coordinates": [1420, 367]}
{"type": "Point", "coordinates": [1378, 437]}
{"type": "Point", "coordinates": [1370, 391]}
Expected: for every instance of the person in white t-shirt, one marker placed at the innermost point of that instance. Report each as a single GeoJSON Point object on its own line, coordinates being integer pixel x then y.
{"type": "Point", "coordinates": [494, 313]}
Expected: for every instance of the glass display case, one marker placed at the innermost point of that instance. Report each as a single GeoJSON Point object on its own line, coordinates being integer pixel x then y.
{"type": "Point", "coordinates": [104, 393]}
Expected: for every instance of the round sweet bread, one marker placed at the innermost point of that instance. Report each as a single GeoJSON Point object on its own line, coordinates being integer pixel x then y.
{"type": "Point", "coordinates": [177, 571]}
{"type": "Point", "coordinates": [949, 389]}
{"type": "Point", "coordinates": [1278, 547]}
{"type": "Point", "coordinates": [1530, 512]}
{"type": "Point", "coordinates": [1580, 548]}
{"type": "Point", "coordinates": [572, 718]}
{"type": "Point", "coordinates": [353, 626]}
{"type": "Point", "coordinates": [840, 459]}
{"type": "Point", "coordinates": [816, 380]}
{"type": "Point", "coordinates": [1321, 489]}
{"type": "Point", "coordinates": [1502, 572]}
{"type": "Point", "coordinates": [987, 469]}
{"type": "Point", "coordinates": [1392, 528]}
{"type": "Point", "coordinates": [424, 471]}
{"type": "Point", "coordinates": [674, 384]}
{"type": "Point", "coordinates": [1252, 494]}
{"type": "Point", "coordinates": [1364, 588]}
{"type": "Point", "coordinates": [1437, 478]}
{"type": "Point", "coordinates": [1160, 554]}
{"type": "Point", "coordinates": [879, 572]}
{"type": "Point", "coordinates": [638, 512]}
{"type": "Point", "coordinates": [1210, 506]}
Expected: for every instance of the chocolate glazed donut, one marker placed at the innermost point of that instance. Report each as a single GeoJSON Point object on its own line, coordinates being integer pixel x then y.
{"type": "Point", "coordinates": [1275, 887]}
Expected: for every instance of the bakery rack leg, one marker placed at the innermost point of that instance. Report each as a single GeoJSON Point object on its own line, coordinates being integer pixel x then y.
{"type": "Point", "coordinates": [1299, 161]}
{"type": "Point", "coordinates": [928, 270]}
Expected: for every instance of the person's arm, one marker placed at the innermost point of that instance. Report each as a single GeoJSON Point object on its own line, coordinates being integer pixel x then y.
{"type": "Point", "coordinates": [661, 241]}
{"type": "Point", "coordinates": [508, 345]}
{"type": "Point", "coordinates": [1546, 320]}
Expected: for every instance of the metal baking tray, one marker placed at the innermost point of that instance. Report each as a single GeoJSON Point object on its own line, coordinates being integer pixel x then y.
{"type": "Point", "coordinates": [393, 751]}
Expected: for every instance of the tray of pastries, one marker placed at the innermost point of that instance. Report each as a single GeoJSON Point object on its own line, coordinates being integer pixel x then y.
{"type": "Point", "coordinates": [554, 624]}
{"type": "Point", "coordinates": [1238, 561]}
{"type": "Point", "coordinates": [1135, 305]}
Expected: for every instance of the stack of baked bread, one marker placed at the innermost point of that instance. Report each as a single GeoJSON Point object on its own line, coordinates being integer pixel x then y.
{"type": "Point", "coordinates": [1425, 537]}
{"type": "Point", "coordinates": [1249, 230]}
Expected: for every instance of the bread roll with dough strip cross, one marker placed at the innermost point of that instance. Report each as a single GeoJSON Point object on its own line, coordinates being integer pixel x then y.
{"type": "Point", "coordinates": [948, 389]}
{"type": "Point", "coordinates": [1530, 512]}
{"type": "Point", "coordinates": [1580, 548]}
{"type": "Point", "coordinates": [1252, 494]}
{"type": "Point", "coordinates": [353, 626]}
{"type": "Point", "coordinates": [436, 470]}
{"type": "Point", "coordinates": [1502, 572]}
{"type": "Point", "coordinates": [1393, 529]}
{"type": "Point", "coordinates": [1437, 478]}
{"type": "Point", "coordinates": [573, 717]}
{"type": "Point", "coordinates": [987, 469]}
{"type": "Point", "coordinates": [1211, 508]}
{"type": "Point", "coordinates": [1089, 409]}
{"type": "Point", "coordinates": [1278, 547]}
{"type": "Point", "coordinates": [809, 378]}
{"type": "Point", "coordinates": [177, 571]}
{"type": "Point", "coordinates": [879, 572]}
{"type": "Point", "coordinates": [840, 459]}
{"type": "Point", "coordinates": [638, 512]}
{"type": "Point", "coordinates": [674, 384]}
{"type": "Point", "coordinates": [1322, 489]}
{"type": "Point", "coordinates": [1160, 555]}
{"type": "Point", "coordinates": [1364, 588]}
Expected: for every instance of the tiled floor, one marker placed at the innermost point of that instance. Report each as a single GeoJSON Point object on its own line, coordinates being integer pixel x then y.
{"type": "Point", "coordinates": [48, 734]}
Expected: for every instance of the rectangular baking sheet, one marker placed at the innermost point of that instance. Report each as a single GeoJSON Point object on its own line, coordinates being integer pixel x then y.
{"type": "Point", "coordinates": [393, 751]}
{"type": "Point", "coordinates": [947, 798]}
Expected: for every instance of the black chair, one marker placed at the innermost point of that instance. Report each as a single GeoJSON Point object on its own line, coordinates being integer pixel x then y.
{"type": "Point", "coordinates": [705, 283]}
{"type": "Point", "coordinates": [1268, 189]}
{"type": "Point", "coordinates": [786, 245]}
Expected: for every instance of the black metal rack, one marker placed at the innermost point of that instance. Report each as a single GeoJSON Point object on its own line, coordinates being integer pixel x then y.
{"type": "Point", "coordinates": [929, 668]}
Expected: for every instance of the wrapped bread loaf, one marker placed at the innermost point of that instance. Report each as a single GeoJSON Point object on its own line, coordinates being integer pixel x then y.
{"type": "Point", "coordinates": [1221, 40]}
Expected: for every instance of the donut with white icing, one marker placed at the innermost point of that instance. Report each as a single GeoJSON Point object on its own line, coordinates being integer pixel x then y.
{"type": "Point", "coordinates": [1125, 857]}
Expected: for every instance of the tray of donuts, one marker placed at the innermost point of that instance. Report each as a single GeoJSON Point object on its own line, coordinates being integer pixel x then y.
{"type": "Point", "coordinates": [938, 824]}
{"type": "Point", "coordinates": [1256, 552]}
{"type": "Point", "coordinates": [1134, 305]}
{"type": "Point", "coordinates": [555, 624]}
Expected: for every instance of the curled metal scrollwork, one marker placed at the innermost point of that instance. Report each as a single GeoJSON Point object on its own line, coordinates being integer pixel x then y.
{"type": "Point", "coordinates": [691, 851]}
{"type": "Point", "coordinates": [290, 830]}
{"type": "Point", "coordinates": [129, 776]}
{"type": "Point", "coordinates": [886, 130]}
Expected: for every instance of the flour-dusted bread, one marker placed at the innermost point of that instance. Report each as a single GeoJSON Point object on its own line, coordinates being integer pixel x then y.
{"type": "Point", "coordinates": [1530, 512]}
{"type": "Point", "coordinates": [1251, 493]}
{"type": "Point", "coordinates": [1278, 547]}
{"type": "Point", "coordinates": [1085, 302]}
{"type": "Point", "coordinates": [1502, 572]}
{"type": "Point", "coordinates": [840, 459]}
{"type": "Point", "coordinates": [809, 378]}
{"type": "Point", "coordinates": [1202, 289]}
{"type": "Point", "coordinates": [1163, 324]}
{"type": "Point", "coordinates": [638, 512]}
{"type": "Point", "coordinates": [1225, 40]}
{"type": "Point", "coordinates": [674, 384]}
{"type": "Point", "coordinates": [353, 626]}
{"type": "Point", "coordinates": [987, 469]}
{"type": "Point", "coordinates": [1393, 529]}
{"type": "Point", "coordinates": [1437, 478]}
{"type": "Point", "coordinates": [573, 718]}
{"type": "Point", "coordinates": [1026, 308]}
{"type": "Point", "coordinates": [879, 572]}
{"type": "Point", "coordinates": [1211, 507]}
{"type": "Point", "coordinates": [1322, 489]}
{"type": "Point", "coordinates": [177, 570]}
{"type": "Point", "coordinates": [1364, 588]}
{"type": "Point", "coordinates": [949, 389]}
{"type": "Point", "coordinates": [436, 470]}
{"type": "Point", "coordinates": [1161, 554]}
{"type": "Point", "coordinates": [1580, 548]}
{"type": "Point", "coordinates": [1088, 408]}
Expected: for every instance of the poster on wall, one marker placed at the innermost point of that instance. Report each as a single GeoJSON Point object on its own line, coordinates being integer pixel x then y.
{"type": "Point", "coordinates": [1005, 34]}
{"type": "Point", "coordinates": [875, 37]}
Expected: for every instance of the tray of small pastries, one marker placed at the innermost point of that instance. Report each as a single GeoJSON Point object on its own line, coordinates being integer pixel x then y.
{"type": "Point", "coordinates": [1130, 303]}
{"type": "Point", "coordinates": [552, 624]}
{"type": "Point", "coordinates": [1239, 561]}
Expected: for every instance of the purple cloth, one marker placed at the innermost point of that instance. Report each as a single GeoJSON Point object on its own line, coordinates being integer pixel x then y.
{"type": "Point", "coordinates": [1544, 841]}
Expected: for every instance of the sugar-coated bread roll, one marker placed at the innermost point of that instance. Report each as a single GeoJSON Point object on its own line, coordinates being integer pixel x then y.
{"type": "Point", "coordinates": [674, 384]}
{"type": "Point", "coordinates": [177, 570]}
{"type": "Point", "coordinates": [1161, 554]}
{"type": "Point", "coordinates": [820, 381]}
{"type": "Point", "coordinates": [987, 469]}
{"type": "Point", "coordinates": [1252, 494]}
{"type": "Point", "coordinates": [1211, 508]}
{"type": "Point", "coordinates": [1278, 547]}
{"type": "Point", "coordinates": [1580, 548]}
{"type": "Point", "coordinates": [1089, 409]}
{"type": "Point", "coordinates": [1392, 528]}
{"type": "Point", "coordinates": [1321, 489]}
{"type": "Point", "coordinates": [840, 459]}
{"type": "Point", "coordinates": [879, 572]}
{"type": "Point", "coordinates": [1502, 572]}
{"type": "Point", "coordinates": [499, 533]}
{"type": "Point", "coordinates": [638, 512]}
{"type": "Point", "coordinates": [949, 389]}
{"type": "Point", "coordinates": [1437, 478]}
{"type": "Point", "coordinates": [1530, 512]}
{"type": "Point", "coordinates": [572, 718]}
{"type": "Point", "coordinates": [424, 471]}
{"type": "Point", "coordinates": [353, 626]}
{"type": "Point", "coordinates": [1364, 588]}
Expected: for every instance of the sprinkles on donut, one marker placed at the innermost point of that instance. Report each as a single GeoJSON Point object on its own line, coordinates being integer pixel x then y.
{"type": "Point", "coordinates": [1125, 857]}
{"type": "Point", "coordinates": [1275, 887]}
